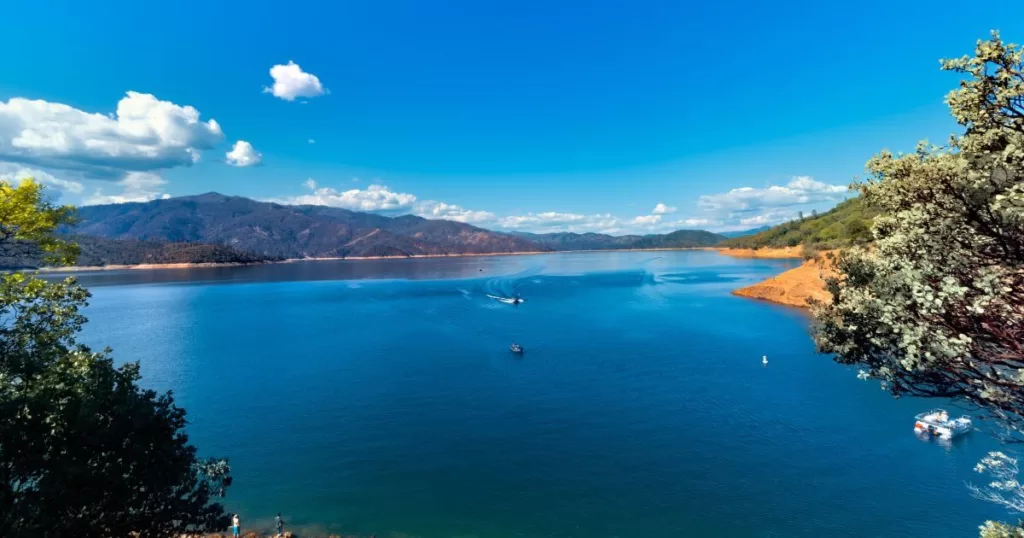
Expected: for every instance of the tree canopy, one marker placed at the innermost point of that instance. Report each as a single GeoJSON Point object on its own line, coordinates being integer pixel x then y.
{"type": "Point", "coordinates": [935, 307]}
{"type": "Point", "coordinates": [28, 224]}
{"type": "Point", "coordinates": [84, 451]}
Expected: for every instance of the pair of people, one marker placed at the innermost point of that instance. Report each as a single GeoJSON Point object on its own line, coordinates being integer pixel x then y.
{"type": "Point", "coordinates": [236, 527]}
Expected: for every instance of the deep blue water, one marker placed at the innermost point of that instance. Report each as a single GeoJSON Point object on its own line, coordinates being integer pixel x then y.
{"type": "Point", "coordinates": [380, 397]}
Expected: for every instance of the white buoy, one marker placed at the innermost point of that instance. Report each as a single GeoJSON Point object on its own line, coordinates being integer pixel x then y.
{"type": "Point", "coordinates": [764, 360]}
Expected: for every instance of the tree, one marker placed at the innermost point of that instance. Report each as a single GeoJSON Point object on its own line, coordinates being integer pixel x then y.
{"type": "Point", "coordinates": [28, 222]}
{"type": "Point", "coordinates": [935, 307]}
{"type": "Point", "coordinates": [84, 451]}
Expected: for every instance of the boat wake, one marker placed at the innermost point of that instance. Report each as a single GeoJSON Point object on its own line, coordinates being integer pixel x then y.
{"type": "Point", "coordinates": [507, 300]}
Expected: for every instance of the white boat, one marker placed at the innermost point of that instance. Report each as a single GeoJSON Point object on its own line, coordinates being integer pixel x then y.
{"type": "Point", "coordinates": [937, 422]}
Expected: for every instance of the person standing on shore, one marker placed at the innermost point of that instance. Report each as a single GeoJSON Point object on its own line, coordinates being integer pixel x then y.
{"type": "Point", "coordinates": [236, 528]}
{"type": "Point", "coordinates": [279, 523]}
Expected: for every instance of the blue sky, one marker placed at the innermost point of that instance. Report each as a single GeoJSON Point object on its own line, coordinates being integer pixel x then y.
{"type": "Point", "coordinates": [531, 115]}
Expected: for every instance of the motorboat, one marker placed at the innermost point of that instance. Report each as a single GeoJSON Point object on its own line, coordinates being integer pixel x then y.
{"type": "Point", "coordinates": [938, 423]}
{"type": "Point", "coordinates": [514, 301]}
{"type": "Point", "coordinates": [516, 348]}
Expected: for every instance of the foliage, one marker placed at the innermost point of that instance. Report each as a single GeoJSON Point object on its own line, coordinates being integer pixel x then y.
{"type": "Point", "coordinates": [84, 451]}
{"type": "Point", "coordinates": [1004, 489]}
{"type": "Point", "coordinates": [103, 251]}
{"type": "Point", "coordinates": [846, 224]}
{"type": "Point", "coordinates": [28, 222]}
{"type": "Point", "coordinates": [936, 306]}
{"type": "Point", "coordinates": [994, 529]}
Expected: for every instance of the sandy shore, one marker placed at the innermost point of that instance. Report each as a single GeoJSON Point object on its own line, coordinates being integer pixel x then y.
{"type": "Point", "coordinates": [794, 287]}
{"type": "Point", "coordinates": [771, 253]}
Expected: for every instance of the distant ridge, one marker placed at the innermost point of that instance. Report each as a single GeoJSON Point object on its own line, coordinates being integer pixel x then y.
{"type": "Point", "coordinates": [275, 230]}
{"type": "Point", "coordinates": [751, 231]}
{"type": "Point", "coordinates": [267, 230]}
{"type": "Point", "coordinates": [595, 241]}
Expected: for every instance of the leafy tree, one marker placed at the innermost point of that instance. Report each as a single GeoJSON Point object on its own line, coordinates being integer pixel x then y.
{"type": "Point", "coordinates": [993, 529]}
{"type": "Point", "coordinates": [84, 451]}
{"type": "Point", "coordinates": [936, 306]}
{"type": "Point", "coordinates": [28, 222]}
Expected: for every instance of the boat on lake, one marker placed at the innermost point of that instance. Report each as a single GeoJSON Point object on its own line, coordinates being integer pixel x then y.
{"type": "Point", "coordinates": [938, 423]}
{"type": "Point", "coordinates": [516, 348]}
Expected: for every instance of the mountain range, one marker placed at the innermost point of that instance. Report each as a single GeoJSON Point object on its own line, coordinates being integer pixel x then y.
{"type": "Point", "coordinates": [267, 230]}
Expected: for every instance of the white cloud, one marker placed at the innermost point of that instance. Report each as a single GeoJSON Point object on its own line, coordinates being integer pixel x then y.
{"type": "Point", "coordinates": [441, 210]}
{"type": "Point", "coordinates": [647, 220]}
{"type": "Point", "coordinates": [242, 154]}
{"type": "Point", "coordinates": [662, 209]}
{"type": "Point", "coordinates": [143, 134]}
{"type": "Point", "coordinates": [374, 198]}
{"type": "Point", "coordinates": [380, 199]}
{"type": "Point", "coordinates": [311, 141]}
{"type": "Point", "coordinates": [551, 221]}
{"type": "Point", "coordinates": [135, 187]}
{"type": "Point", "coordinates": [14, 173]}
{"type": "Point", "coordinates": [800, 190]}
{"type": "Point", "coordinates": [291, 82]}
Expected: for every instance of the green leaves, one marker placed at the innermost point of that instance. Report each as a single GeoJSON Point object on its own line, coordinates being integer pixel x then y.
{"type": "Point", "coordinates": [84, 451]}
{"type": "Point", "coordinates": [28, 220]}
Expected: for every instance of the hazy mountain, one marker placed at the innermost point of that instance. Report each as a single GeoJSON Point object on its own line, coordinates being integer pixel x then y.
{"type": "Point", "coordinates": [595, 241]}
{"type": "Point", "coordinates": [742, 233]}
{"type": "Point", "coordinates": [275, 230]}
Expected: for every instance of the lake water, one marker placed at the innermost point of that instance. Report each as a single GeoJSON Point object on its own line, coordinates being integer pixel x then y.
{"type": "Point", "coordinates": [380, 397]}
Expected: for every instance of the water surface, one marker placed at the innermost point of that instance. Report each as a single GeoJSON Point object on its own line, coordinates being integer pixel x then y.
{"type": "Point", "coordinates": [380, 397]}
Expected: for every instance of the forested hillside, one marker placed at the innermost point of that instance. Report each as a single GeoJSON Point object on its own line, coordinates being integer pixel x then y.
{"type": "Point", "coordinates": [849, 223]}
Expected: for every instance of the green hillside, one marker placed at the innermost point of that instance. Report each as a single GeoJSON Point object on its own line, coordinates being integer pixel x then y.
{"type": "Point", "coordinates": [849, 223]}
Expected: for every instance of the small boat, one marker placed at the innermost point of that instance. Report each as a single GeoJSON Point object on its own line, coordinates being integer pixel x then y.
{"type": "Point", "coordinates": [516, 348]}
{"type": "Point", "coordinates": [514, 301]}
{"type": "Point", "coordinates": [937, 423]}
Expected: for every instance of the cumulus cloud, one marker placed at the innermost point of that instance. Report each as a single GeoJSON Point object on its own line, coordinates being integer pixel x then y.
{"type": "Point", "coordinates": [135, 187]}
{"type": "Point", "coordinates": [144, 134]}
{"type": "Point", "coordinates": [800, 190]}
{"type": "Point", "coordinates": [552, 221]}
{"type": "Point", "coordinates": [374, 198]}
{"type": "Point", "coordinates": [441, 210]}
{"type": "Point", "coordinates": [242, 154]}
{"type": "Point", "coordinates": [291, 82]}
{"type": "Point", "coordinates": [647, 220]}
{"type": "Point", "coordinates": [15, 173]}
{"type": "Point", "coordinates": [380, 199]}
{"type": "Point", "coordinates": [662, 209]}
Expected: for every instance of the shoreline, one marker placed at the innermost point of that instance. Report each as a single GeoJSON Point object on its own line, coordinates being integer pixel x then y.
{"type": "Point", "coordinates": [204, 265]}
{"type": "Point", "coordinates": [792, 287]}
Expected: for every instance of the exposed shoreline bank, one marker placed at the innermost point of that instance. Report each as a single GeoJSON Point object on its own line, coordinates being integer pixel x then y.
{"type": "Point", "coordinates": [794, 287]}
